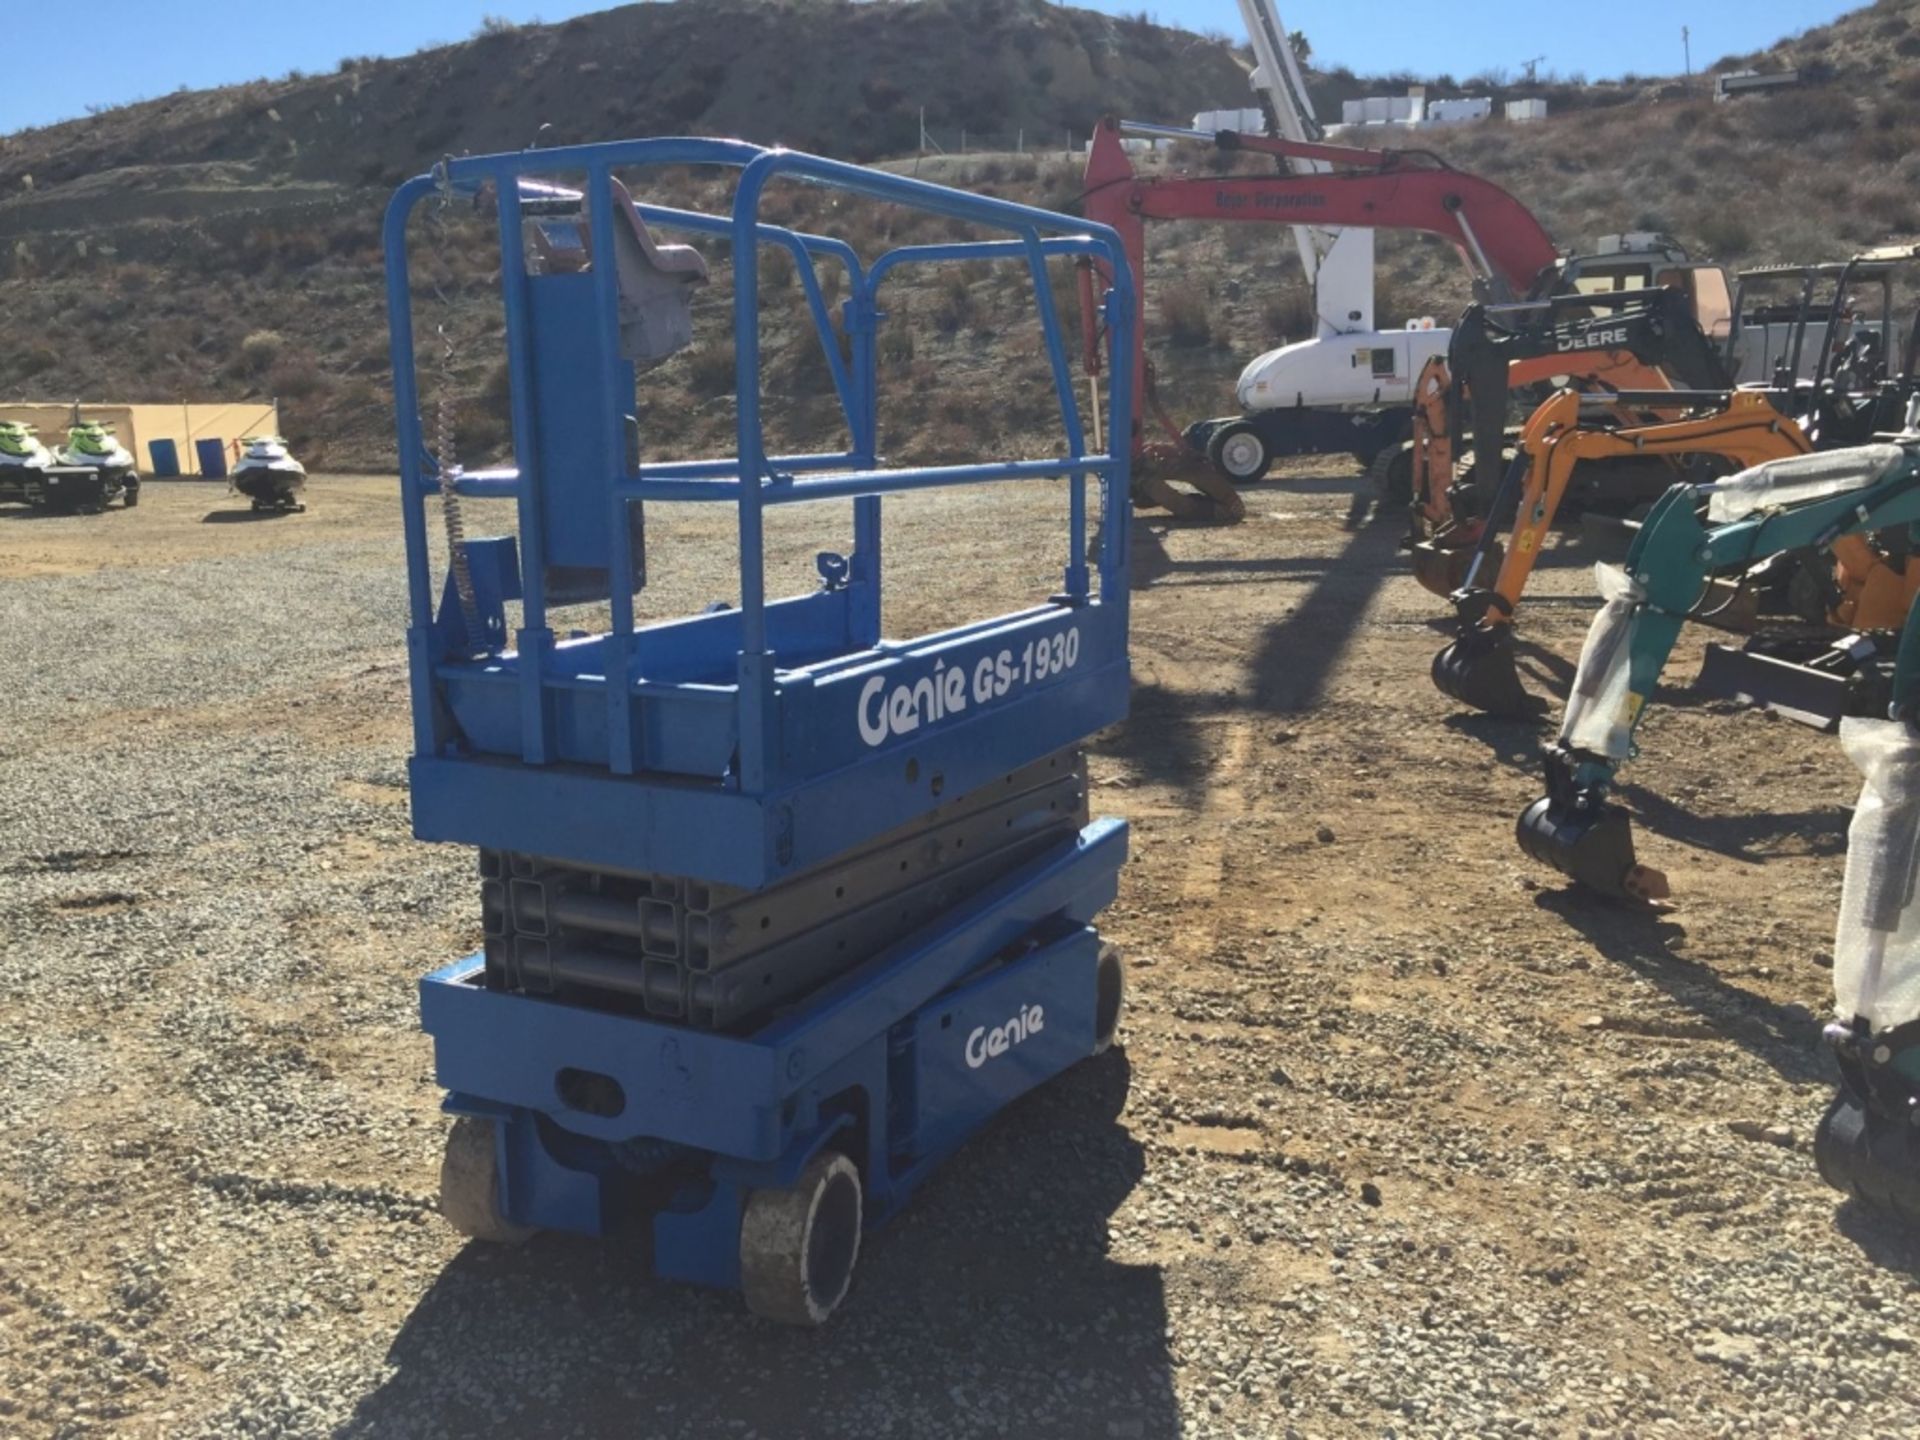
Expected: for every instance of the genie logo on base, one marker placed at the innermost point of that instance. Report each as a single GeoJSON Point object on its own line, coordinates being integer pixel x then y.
{"type": "Point", "coordinates": [950, 689]}
{"type": "Point", "coordinates": [986, 1044]}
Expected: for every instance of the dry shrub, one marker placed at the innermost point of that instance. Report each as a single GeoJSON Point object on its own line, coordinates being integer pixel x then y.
{"type": "Point", "coordinates": [1185, 316]}
{"type": "Point", "coordinates": [776, 268]}
{"type": "Point", "coordinates": [1286, 312]}
{"type": "Point", "coordinates": [710, 369]}
{"type": "Point", "coordinates": [260, 349]}
{"type": "Point", "coordinates": [295, 377]}
{"type": "Point", "coordinates": [1726, 233]}
{"type": "Point", "coordinates": [952, 309]}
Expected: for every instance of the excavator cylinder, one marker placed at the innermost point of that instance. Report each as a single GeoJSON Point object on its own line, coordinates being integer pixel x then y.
{"type": "Point", "coordinates": [1478, 670]}
{"type": "Point", "coordinates": [1592, 847]}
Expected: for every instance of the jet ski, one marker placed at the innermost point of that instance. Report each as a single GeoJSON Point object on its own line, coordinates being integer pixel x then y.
{"type": "Point", "coordinates": [23, 464]}
{"type": "Point", "coordinates": [267, 475]}
{"type": "Point", "coordinates": [91, 470]}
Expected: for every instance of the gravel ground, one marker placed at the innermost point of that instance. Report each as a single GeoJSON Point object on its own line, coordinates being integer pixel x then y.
{"type": "Point", "coordinates": [1416, 1142]}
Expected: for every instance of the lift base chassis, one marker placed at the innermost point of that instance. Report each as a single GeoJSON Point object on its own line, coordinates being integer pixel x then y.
{"type": "Point", "coordinates": [602, 1117]}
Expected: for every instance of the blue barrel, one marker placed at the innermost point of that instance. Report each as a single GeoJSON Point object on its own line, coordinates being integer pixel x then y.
{"type": "Point", "coordinates": [213, 457]}
{"type": "Point", "coordinates": [166, 458]}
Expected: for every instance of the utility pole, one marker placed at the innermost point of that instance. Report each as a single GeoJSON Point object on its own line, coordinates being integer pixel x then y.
{"type": "Point", "coordinates": [1686, 49]}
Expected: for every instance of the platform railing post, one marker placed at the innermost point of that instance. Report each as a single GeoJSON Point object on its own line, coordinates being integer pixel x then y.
{"type": "Point", "coordinates": [534, 640]}
{"type": "Point", "coordinates": [755, 668]}
{"type": "Point", "coordinates": [613, 441]}
{"type": "Point", "coordinates": [422, 643]}
{"type": "Point", "coordinates": [862, 323]}
{"type": "Point", "coordinates": [1076, 573]}
{"type": "Point", "coordinates": [1116, 502]}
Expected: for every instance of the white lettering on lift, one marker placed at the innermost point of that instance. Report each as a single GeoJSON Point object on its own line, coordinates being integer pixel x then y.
{"type": "Point", "coordinates": [986, 1043]}
{"type": "Point", "coordinates": [885, 712]}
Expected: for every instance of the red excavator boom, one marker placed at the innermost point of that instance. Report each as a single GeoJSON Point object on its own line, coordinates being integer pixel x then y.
{"type": "Point", "coordinates": [1498, 237]}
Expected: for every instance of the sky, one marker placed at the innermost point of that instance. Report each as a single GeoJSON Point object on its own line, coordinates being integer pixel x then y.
{"type": "Point", "coordinates": [143, 48]}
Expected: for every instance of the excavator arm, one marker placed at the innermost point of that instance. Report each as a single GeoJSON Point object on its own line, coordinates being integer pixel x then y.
{"type": "Point", "coordinates": [1808, 501]}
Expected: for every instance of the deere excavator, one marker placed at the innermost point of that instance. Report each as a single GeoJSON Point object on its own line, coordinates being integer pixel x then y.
{"type": "Point", "coordinates": [1782, 506]}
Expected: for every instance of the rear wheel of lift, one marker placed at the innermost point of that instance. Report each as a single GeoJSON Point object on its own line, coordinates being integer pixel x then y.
{"type": "Point", "coordinates": [130, 497]}
{"type": "Point", "coordinates": [470, 1184]}
{"type": "Point", "coordinates": [1109, 996]}
{"type": "Point", "coordinates": [1238, 452]}
{"type": "Point", "coordinates": [798, 1246]}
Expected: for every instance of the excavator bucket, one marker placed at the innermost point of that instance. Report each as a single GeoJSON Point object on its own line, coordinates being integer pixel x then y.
{"type": "Point", "coordinates": [1212, 500]}
{"type": "Point", "coordinates": [1443, 568]}
{"type": "Point", "coordinates": [1872, 1156]}
{"type": "Point", "coordinates": [1593, 848]}
{"type": "Point", "coordinates": [1478, 670]}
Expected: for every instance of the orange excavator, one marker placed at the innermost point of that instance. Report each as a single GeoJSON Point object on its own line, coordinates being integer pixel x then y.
{"type": "Point", "coordinates": [1572, 446]}
{"type": "Point", "coordinates": [1640, 321]}
{"type": "Point", "coordinates": [1738, 430]}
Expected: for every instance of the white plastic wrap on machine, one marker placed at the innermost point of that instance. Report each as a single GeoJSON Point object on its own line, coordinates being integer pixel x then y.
{"type": "Point", "coordinates": [1876, 948]}
{"type": "Point", "coordinates": [1795, 481]}
{"type": "Point", "coordinates": [1598, 719]}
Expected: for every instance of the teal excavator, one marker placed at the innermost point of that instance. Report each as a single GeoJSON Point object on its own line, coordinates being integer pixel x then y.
{"type": "Point", "coordinates": [1868, 1142]}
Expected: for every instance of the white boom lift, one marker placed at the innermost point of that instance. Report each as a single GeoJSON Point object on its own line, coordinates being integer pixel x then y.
{"type": "Point", "coordinates": [1338, 263]}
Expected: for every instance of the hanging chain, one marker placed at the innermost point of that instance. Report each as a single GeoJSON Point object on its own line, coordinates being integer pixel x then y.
{"type": "Point", "coordinates": [446, 457]}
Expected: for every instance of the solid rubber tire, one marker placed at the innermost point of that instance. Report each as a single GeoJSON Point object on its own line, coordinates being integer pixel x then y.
{"type": "Point", "coordinates": [1109, 996]}
{"type": "Point", "coordinates": [470, 1184]}
{"type": "Point", "coordinates": [1217, 449]}
{"type": "Point", "coordinates": [799, 1245]}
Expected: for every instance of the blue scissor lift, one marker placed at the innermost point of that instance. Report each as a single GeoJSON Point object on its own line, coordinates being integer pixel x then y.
{"type": "Point", "coordinates": [777, 911]}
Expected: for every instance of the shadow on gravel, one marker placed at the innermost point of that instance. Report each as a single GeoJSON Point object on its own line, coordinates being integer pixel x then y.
{"type": "Point", "coordinates": [1296, 655]}
{"type": "Point", "coordinates": [1163, 737]}
{"type": "Point", "coordinates": [1786, 1037]}
{"type": "Point", "coordinates": [1514, 743]}
{"type": "Point", "coordinates": [1823, 829]}
{"type": "Point", "coordinates": [242, 517]}
{"type": "Point", "coordinates": [1884, 1242]}
{"type": "Point", "coordinates": [990, 1307]}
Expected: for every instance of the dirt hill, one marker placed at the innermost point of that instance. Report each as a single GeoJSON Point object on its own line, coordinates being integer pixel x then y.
{"type": "Point", "coordinates": [225, 242]}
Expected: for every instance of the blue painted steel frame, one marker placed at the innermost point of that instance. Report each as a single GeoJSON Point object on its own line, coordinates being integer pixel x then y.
{"type": "Point", "coordinates": [577, 749]}
{"type": "Point", "coordinates": [711, 760]}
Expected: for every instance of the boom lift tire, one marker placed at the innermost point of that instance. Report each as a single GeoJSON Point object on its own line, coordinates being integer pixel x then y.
{"type": "Point", "coordinates": [470, 1184]}
{"type": "Point", "coordinates": [1238, 452]}
{"type": "Point", "coordinates": [798, 1246]}
{"type": "Point", "coordinates": [1391, 475]}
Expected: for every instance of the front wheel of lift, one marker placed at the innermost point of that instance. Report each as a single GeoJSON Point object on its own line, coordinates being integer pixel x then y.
{"type": "Point", "coordinates": [798, 1246]}
{"type": "Point", "coordinates": [470, 1184]}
